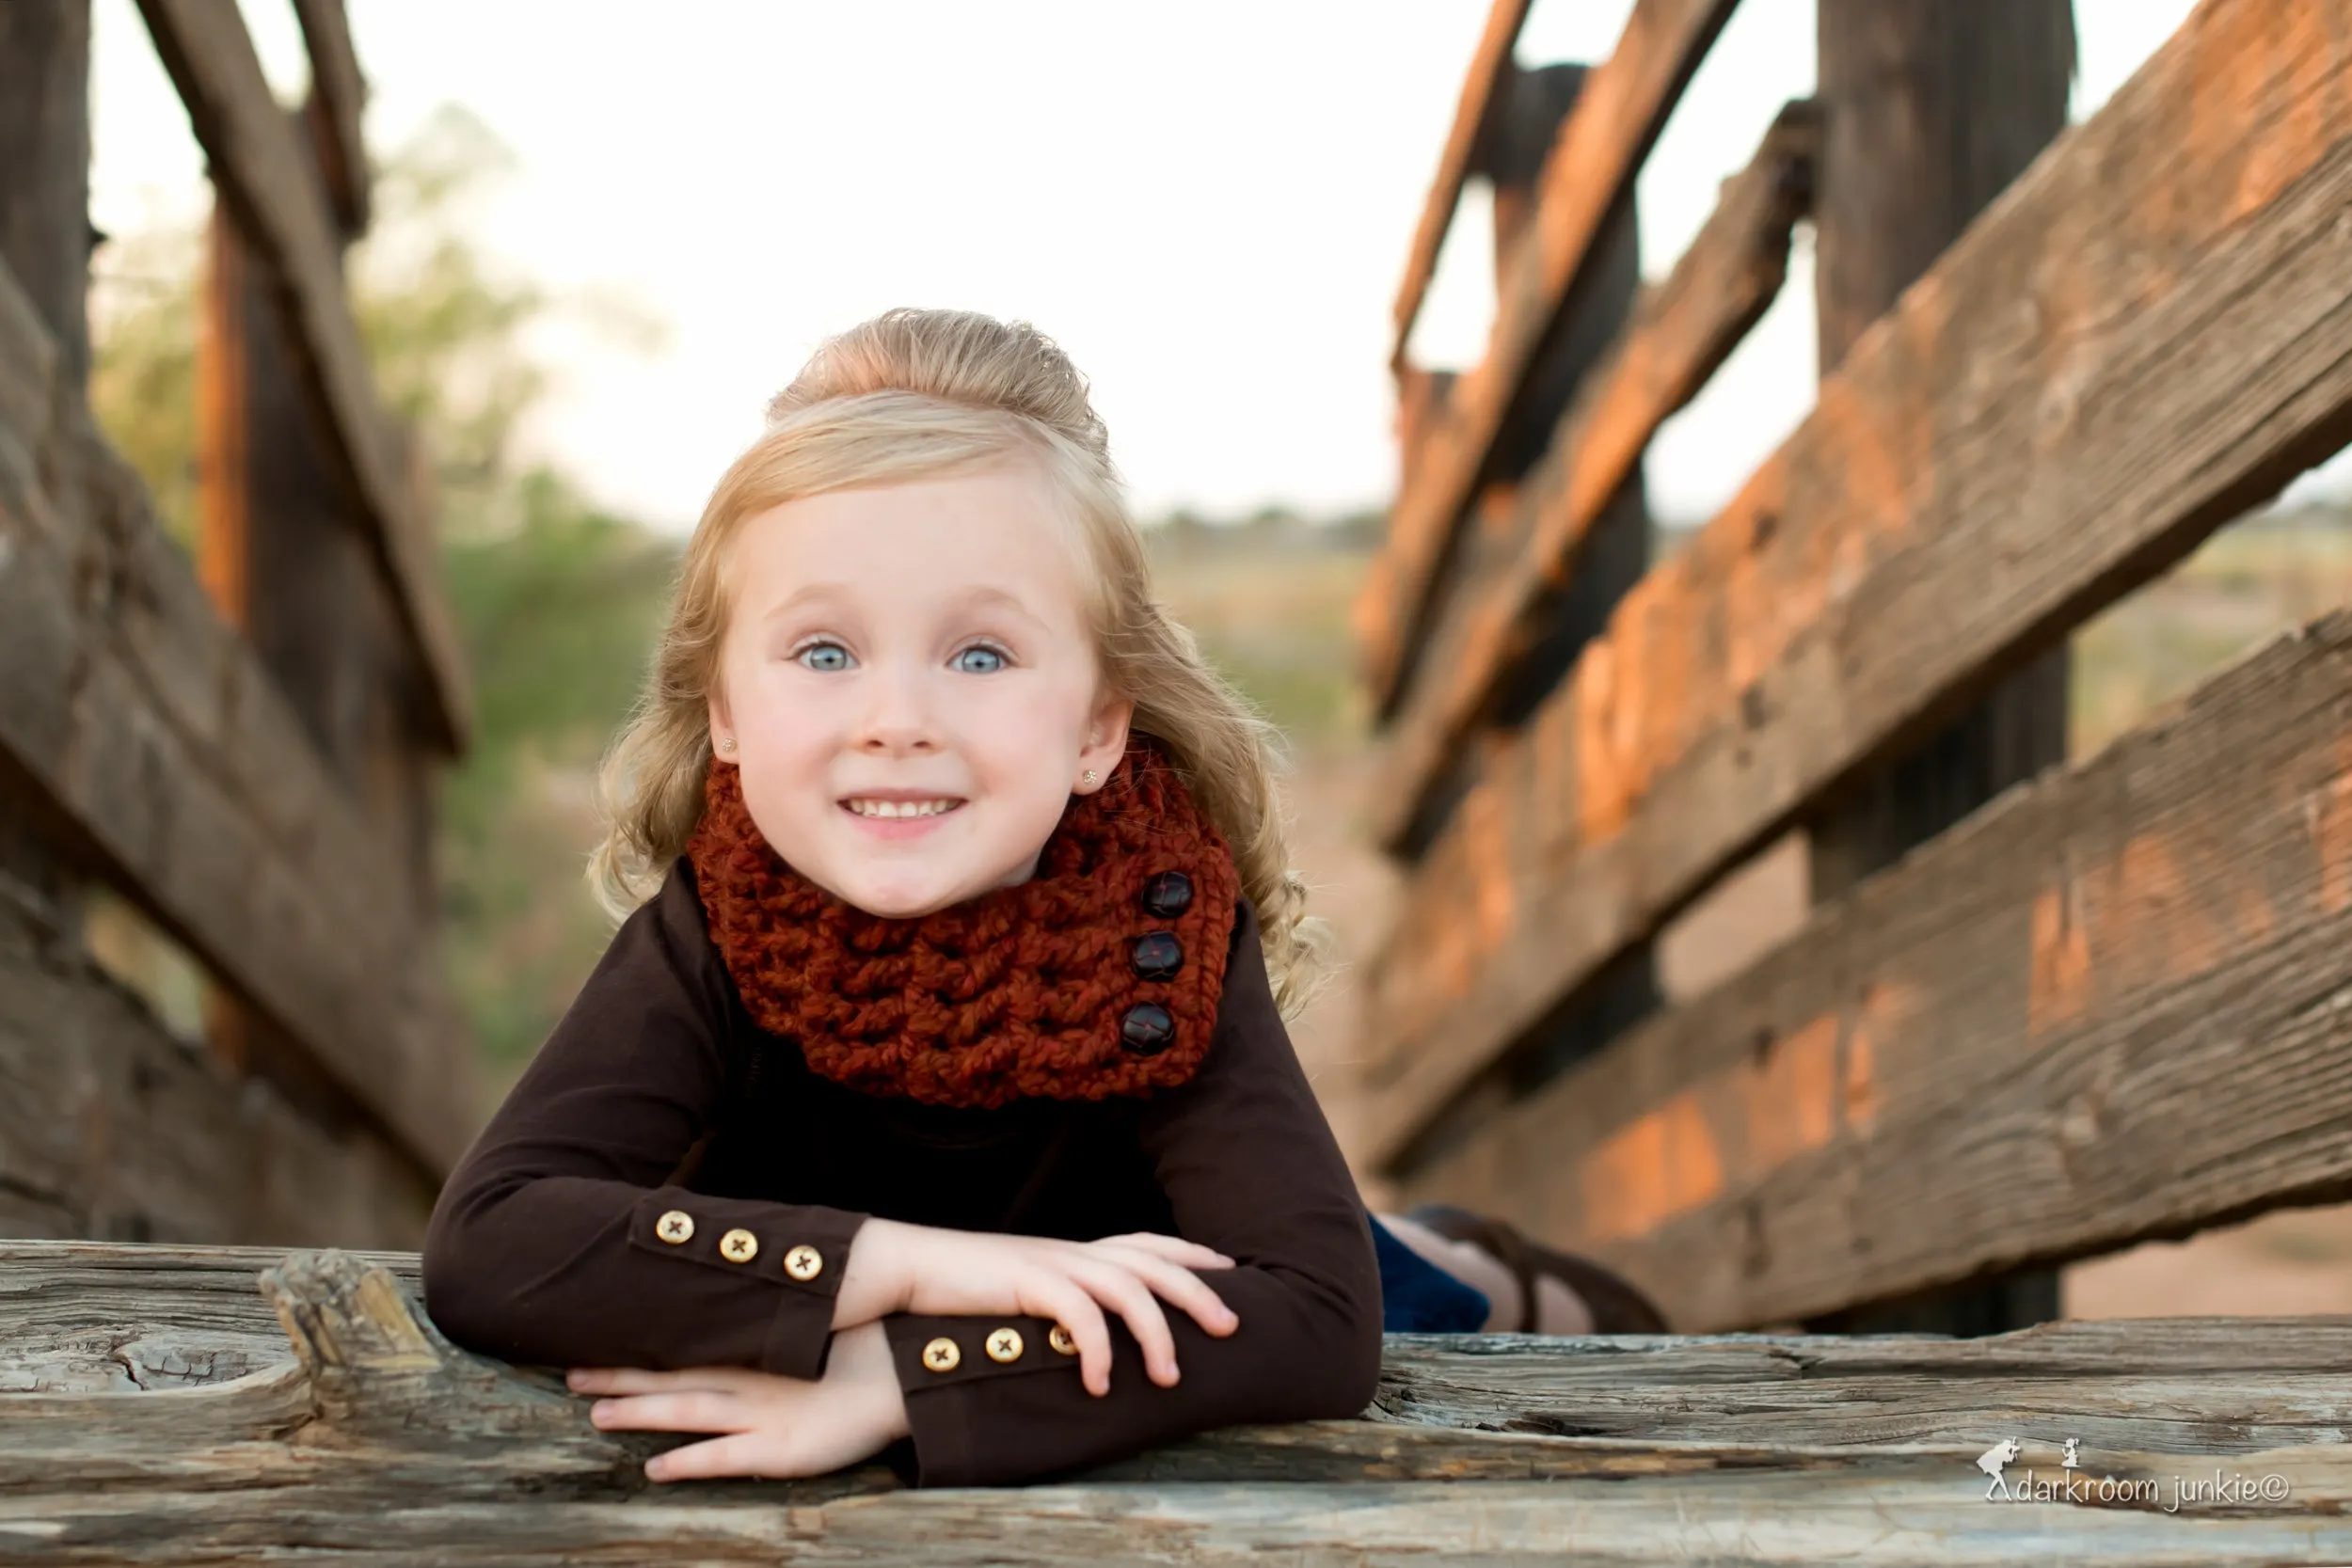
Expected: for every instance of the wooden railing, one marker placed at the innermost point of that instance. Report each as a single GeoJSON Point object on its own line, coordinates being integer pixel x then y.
{"type": "Point", "coordinates": [155, 741]}
{"type": "Point", "coordinates": [162, 1404]}
{"type": "Point", "coordinates": [2094, 1013]}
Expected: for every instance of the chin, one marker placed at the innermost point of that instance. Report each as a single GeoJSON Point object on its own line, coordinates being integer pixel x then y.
{"type": "Point", "coordinates": [900, 903]}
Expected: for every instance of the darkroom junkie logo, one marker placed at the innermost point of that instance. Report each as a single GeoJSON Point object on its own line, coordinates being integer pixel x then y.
{"type": "Point", "coordinates": [2221, 1488]}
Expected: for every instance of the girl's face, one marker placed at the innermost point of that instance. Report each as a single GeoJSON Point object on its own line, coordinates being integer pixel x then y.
{"type": "Point", "coordinates": [912, 648]}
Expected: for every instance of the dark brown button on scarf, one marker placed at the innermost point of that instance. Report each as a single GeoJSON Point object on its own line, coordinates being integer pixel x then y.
{"type": "Point", "coordinates": [1099, 975]}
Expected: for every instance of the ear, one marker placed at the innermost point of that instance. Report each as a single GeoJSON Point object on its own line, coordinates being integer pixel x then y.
{"type": "Point", "coordinates": [721, 721]}
{"type": "Point", "coordinates": [1107, 742]}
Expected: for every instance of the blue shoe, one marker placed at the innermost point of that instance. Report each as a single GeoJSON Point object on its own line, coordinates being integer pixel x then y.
{"type": "Point", "coordinates": [1419, 1297]}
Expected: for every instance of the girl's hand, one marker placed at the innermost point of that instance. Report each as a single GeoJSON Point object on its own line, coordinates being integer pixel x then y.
{"type": "Point", "coordinates": [777, 1427]}
{"type": "Point", "coordinates": [936, 1270]}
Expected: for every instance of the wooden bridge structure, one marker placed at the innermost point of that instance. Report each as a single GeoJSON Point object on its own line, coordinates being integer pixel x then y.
{"type": "Point", "coordinates": [2042, 1007]}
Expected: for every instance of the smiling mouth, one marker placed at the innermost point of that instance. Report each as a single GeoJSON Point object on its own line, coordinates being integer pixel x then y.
{"type": "Point", "coordinates": [900, 810]}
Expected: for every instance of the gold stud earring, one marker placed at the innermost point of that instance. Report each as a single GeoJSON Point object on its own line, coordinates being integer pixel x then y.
{"type": "Point", "coordinates": [727, 745]}
{"type": "Point", "coordinates": [1088, 777]}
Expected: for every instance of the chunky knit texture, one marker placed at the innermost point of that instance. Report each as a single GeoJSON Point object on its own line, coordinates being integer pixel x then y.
{"type": "Point", "coordinates": [1017, 992]}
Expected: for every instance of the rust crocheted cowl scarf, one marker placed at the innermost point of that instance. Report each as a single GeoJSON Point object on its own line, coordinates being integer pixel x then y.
{"type": "Point", "coordinates": [1099, 975]}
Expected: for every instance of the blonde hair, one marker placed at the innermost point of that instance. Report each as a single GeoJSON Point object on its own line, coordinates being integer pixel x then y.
{"type": "Point", "coordinates": [908, 395]}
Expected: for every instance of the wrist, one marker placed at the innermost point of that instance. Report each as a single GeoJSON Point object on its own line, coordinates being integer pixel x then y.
{"type": "Point", "coordinates": [867, 1360]}
{"type": "Point", "coordinates": [875, 1281]}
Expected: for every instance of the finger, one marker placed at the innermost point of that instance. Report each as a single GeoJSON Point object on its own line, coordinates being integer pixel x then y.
{"type": "Point", "coordinates": [1064, 1300]}
{"type": "Point", "coordinates": [741, 1453]}
{"type": "Point", "coordinates": [1192, 1255]}
{"type": "Point", "coordinates": [1182, 1286]}
{"type": "Point", "coordinates": [641, 1380]}
{"type": "Point", "coordinates": [1118, 1287]}
{"type": "Point", "coordinates": [698, 1410]}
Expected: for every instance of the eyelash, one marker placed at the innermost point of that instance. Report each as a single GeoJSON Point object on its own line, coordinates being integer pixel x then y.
{"type": "Point", "coordinates": [996, 648]}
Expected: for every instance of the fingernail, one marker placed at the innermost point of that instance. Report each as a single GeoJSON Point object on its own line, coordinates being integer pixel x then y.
{"type": "Point", "coordinates": [655, 1470]}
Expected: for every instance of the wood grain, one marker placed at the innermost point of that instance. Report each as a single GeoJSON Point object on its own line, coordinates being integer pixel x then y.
{"type": "Point", "coordinates": [150, 735]}
{"type": "Point", "coordinates": [1618, 115]}
{"type": "Point", "coordinates": [2115, 1006]}
{"type": "Point", "coordinates": [259, 169]}
{"type": "Point", "coordinates": [2150, 332]}
{"type": "Point", "coordinates": [369, 1437]}
{"type": "Point", "coordinates": [1492, 608]}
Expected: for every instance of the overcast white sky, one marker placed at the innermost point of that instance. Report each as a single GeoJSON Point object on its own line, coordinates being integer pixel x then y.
{"type": "Point", "coordinates": [1207, 205]}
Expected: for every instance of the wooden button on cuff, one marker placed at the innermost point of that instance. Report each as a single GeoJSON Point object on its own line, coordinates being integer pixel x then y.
{"type": "Point", "coordinates": [941, 1354]}
{"type": "Point", "coordinates": [804, 1263]}
{"type": "Point", "coordinates": [675, 1226]}
{"type": "Point", "coordinates": [1005, 1345]}
{"type": "Point", "coordinates": [739, 1247]}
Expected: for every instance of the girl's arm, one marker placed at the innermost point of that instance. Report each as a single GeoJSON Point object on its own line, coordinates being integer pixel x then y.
{"type": "Point", "coordinates": [1251, 1169]}
{"type": "Point", "coordinates": [560, 1239]}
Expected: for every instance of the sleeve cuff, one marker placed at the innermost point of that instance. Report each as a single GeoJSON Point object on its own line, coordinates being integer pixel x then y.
{"type": "Point", "coordinates": [940, 1359]}
{"type": "Point", "coordinates": [798, 1251]}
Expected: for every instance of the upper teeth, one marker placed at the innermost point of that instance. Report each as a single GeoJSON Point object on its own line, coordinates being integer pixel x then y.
{"type": "Point", "coordinates": [899, 808]}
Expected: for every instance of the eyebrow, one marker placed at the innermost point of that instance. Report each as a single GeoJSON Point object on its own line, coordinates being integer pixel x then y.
{"type": "Point", "coordinates": [980, 593]}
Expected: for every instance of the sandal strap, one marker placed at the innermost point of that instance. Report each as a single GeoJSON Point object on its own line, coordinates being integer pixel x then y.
{"type": "Point", "coordinates": [1617, 1305]}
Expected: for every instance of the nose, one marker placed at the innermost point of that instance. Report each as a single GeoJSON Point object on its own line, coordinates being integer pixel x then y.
{"type": "Point", "coordinates": [897, 713]}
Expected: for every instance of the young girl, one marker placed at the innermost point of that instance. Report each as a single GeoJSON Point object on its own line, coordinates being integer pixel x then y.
{"type": "Point", "coordinates": [941, 1053]}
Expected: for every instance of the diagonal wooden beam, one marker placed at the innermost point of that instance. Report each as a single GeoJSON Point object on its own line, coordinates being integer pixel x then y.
{"type": "Point", "coordinates": [149, 732]}
{"type": "Point", "coordinates": [1491, 69]}
{"type": "Point", "coordinates": [1487, 619]}
{"type": "Point", "coordinates": [2111, 1008]}
{"type": "Point", "coordinates": [1617, 115]}
{"type": "Point", "coordinates": [259, 169]}
{"type": "Point", "coordinates": [338, 94]}
{"type": "Point", "coordinates": [2150, 332]}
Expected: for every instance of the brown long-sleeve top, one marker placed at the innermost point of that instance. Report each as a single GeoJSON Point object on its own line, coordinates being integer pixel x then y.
{"type": "Point", "coordinates": [557, 1241]}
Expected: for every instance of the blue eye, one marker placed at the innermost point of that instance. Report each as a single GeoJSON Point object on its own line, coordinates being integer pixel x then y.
{"type": "Point", "coordinates": [819, 647]}
{"type": "Point", "coordinates": [997, 654]}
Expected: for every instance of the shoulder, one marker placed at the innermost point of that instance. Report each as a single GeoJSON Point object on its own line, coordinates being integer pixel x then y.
{"type": "Point", "coordinates": [666, 941]}
{"type": "Point", "coordinates": [1248, 1024]}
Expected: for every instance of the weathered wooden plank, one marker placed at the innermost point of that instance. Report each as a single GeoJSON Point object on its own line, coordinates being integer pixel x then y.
{"type": "Point", "coordinates": [45, 237]}
{"type": "Point", "coordinates": [2150, 332]}
{"type": "Point", "coordinates": [338, 95]}
{"type": "Point", "coordinates": [114, 1128]}
{"type": "Point", "coordinates": [2115, 1006]}
{"type": "Point", "coordinates": [1489, 616]}
{"type": "Point", "coordinates": [257, 167]}
{"type": "Point", "coordinates": [130, 713]}
{"type": "Point", "coordinates": [373, 1439]}
{"type": "Point", "coordinates": [1601, 148]}
{"type": "Point", "coordinates": [44, 163]}
{"type": "Point", "coordinates": [1489, 71]}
